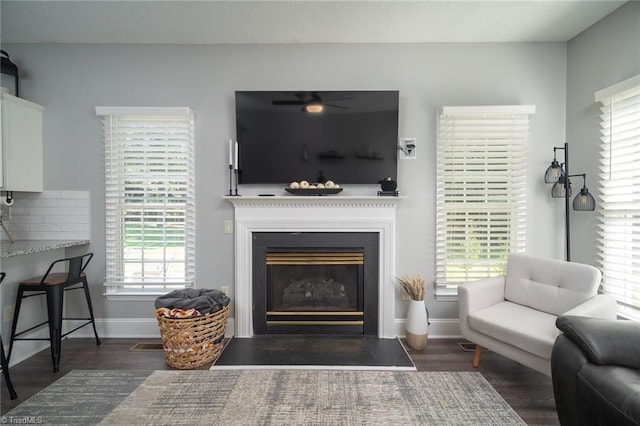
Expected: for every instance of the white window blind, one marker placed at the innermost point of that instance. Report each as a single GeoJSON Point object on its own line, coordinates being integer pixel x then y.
{"type": "Point", "coordinates": [481, 192]}
{"type": "Point", "coordinates": [149, 199]}
{"type": "Point", "coordinates": [619, 206]}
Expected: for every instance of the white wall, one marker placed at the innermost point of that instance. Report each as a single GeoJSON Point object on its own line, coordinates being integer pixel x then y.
{"type": "Point", "coordinates": [605, 54]}
{"type": "Point", "coordinates": [71, 80]}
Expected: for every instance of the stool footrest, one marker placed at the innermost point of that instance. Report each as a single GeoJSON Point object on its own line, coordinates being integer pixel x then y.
{"type": "Point", "coordinates": [32, 338]}
{"type": "Point", "coordinates": [29, 329]}
{"type": "Point", "coordinates": [78, 327]}
{"type": "Point", "coordinates": [88, 321]}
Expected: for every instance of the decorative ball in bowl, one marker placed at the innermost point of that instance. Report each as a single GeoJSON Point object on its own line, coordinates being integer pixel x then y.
{"type": "Point", "coordinates": [305, 188]}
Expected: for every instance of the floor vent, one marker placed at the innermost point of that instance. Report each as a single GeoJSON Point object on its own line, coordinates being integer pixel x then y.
{"type": "Point", "coordinates": [146, 347]}
{"type": "Point", "coordinates": [467, 346]}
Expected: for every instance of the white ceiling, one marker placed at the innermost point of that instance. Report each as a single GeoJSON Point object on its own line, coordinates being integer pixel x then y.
{"type": "Point", "coordinates": [297, 21]}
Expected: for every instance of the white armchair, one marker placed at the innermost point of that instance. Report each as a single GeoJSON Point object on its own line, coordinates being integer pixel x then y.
{"type": "Point", "coordinates": [515, 315]}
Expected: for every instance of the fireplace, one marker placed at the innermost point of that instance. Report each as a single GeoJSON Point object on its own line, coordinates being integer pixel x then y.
{"type": "Point", "coordinates": [310, 282]}
{"type": "Point", "coordinates": [328, 214]}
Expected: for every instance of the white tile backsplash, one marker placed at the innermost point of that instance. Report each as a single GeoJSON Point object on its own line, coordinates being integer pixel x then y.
{"type": "Point", "coordinates": [49, 215]}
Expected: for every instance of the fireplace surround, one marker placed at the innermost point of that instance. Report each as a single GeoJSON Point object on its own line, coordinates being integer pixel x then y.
{"type": "Point", "coordinates": [324, 214]}
{"type": "Point", "coordinates": [315, 282]}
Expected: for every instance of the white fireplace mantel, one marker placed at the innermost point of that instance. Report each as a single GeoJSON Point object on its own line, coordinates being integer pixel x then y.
{"type": "Point", "coordinates": [313, 214]}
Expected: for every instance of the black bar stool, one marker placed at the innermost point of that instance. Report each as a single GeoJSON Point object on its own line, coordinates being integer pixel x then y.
{"type": "Point", "coordinates": [5, 361]}
{"type": "Point", "coordinates": [53, 285]}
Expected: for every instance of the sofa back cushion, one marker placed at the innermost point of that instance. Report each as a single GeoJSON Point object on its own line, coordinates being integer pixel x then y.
{"type": "Point", "coordinates": [549, 285]}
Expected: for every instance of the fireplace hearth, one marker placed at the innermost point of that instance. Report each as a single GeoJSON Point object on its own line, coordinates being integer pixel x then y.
{"type": "Point", "coordinates": [309, 283]}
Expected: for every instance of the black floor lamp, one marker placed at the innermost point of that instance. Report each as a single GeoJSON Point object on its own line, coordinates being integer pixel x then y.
{"type": "Point", "coordinates": [558, 175]}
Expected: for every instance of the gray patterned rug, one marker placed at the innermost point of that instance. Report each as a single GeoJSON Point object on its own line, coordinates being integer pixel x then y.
{"type": "Point", "coordinates": [260, 397]}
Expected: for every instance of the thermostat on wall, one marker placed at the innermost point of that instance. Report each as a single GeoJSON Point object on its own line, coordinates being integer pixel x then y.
{"type": "Point", "coordinates": [407, 148]}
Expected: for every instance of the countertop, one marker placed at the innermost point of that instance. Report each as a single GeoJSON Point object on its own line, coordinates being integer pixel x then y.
{"type": "Point", "coordinates": [22, 247]}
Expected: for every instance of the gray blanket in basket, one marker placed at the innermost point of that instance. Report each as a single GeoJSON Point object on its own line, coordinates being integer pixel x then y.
{"type": "Point", "coordinates": [204, 300]}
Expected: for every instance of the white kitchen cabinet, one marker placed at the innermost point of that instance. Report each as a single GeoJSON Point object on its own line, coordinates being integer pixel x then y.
{"type": "Point", "coordinates": [21, 156]}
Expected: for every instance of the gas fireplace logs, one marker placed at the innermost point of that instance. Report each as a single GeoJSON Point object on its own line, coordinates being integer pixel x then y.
{"type": "Point", "coordinates": [316, 291]}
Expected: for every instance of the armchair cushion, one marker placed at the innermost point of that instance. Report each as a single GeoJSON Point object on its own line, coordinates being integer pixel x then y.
{"type": "Point", "coordinates": [549, 285]}
{"type": "Point", "coordinates": [530, 330]}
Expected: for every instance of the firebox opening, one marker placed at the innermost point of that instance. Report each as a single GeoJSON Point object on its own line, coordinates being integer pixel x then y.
{"type": "Point", "coordinates": [314, 283]}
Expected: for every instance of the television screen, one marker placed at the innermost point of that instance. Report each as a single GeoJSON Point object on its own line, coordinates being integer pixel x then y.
{"type": "Point", "coordinates": [349, 137]}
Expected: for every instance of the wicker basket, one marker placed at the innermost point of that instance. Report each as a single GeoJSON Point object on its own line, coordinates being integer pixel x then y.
{"type": "Point", "coordinates": [191, 342]}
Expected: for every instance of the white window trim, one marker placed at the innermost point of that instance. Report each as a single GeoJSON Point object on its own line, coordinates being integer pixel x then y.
{"type": "Point", "coordinates": [443, 293]}
{"type": "Point", "coordinates": [618, 209]}
{"type": "Point", "coordinates": [111, 290]}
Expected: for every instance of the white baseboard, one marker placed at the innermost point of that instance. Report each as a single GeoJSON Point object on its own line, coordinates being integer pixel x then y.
{"type": "Point", "coordinates": [143, 328]}
{"type": "Point", "coordinates": [130, 328]}
{"type": "Point", "coordinates": [439, 328]}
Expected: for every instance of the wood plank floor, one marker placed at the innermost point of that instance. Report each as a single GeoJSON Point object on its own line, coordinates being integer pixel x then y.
{"type": "Point", "coordinates": [527, 391]}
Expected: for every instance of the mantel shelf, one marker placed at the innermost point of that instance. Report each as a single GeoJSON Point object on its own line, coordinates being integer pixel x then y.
{"type": "Point", "coordinates": [313, 201]}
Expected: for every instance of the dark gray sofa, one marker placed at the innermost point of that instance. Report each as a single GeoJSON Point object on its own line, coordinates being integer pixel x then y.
{"type": "Point", "coordinates": [595, 369]}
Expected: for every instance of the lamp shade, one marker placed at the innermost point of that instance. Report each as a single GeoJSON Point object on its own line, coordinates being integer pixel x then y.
{"type": "Point", "coordinates": [553, 173]}
{"type": "Point", "coordinates": [557, 191]}
{"type": "Point", "coordinates": [584, 201]}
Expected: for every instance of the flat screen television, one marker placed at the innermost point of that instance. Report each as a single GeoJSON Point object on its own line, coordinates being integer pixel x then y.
{"type": "Point", "coordinates": [352, 137]}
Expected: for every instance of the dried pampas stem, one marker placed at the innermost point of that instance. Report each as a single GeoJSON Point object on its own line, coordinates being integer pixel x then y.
{"type": "Point", "coordinates": [413, 286]}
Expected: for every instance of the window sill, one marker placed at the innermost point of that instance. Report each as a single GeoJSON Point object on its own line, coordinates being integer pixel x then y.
{"type": "Point", "coordinates": [446, 297]}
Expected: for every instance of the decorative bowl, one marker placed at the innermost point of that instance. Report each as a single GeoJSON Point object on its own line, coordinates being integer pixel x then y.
{"type": "Point", "coordinates": [313, 191]}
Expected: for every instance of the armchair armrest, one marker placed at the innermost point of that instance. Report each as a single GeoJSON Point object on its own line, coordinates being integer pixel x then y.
{"type": "Point", "coordinates": [604, 342]}
{"type": "Point", "coordinates": [476, 295]}
{"type": "Point", "coordinates": [603, 306]}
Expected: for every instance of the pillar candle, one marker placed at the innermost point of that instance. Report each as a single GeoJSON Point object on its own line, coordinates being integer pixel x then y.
{"type": "Point", "coordinates": [236, 157]}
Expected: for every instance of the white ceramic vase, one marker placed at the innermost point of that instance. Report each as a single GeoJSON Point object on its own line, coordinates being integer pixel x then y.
{"type": "Point", "coordinates": [416, 325]}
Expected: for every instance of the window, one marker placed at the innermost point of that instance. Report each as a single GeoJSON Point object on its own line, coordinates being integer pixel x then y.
{"type": "Point", "coordinates": [619, 208]}
{"type": "Point", "coordinates": [149, 199]}
{"type": "Point", "coordinates": [481, 192]}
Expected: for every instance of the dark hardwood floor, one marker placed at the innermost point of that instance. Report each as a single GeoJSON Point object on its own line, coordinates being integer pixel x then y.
{"type": "Point", "coordinates": [529, 393]}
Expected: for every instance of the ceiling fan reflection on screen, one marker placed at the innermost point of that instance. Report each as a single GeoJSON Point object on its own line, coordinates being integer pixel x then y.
{"type": "Point", "coordinates": [311, 102]}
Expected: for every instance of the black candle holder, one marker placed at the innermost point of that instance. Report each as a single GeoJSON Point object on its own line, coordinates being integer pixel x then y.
{"type": "Point", "coordinates": [230, 179]}
{"type": "Point", "coordinates": [235, 194]}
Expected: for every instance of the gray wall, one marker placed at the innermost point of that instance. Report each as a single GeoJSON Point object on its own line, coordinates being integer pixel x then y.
{"type": "Point", "coordinates": [71, 80]}
{"type": "Point", "coordinates": [605, 54]}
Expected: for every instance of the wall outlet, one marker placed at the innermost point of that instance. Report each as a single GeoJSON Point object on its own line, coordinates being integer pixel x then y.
{"type": "Point", "coordinates": [7, 313]}
{"type": "Point", "coordinates": [228, 227]}
{"type": "Point", "coordinates": [407, 148]}
{"type": "Point", "coordinates": [225, 289]}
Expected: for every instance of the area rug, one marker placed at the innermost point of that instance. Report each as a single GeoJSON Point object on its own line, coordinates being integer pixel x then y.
{"type": "Point", "coordinates": [262, 397]}
{"type": "Point", "coordinates": [81, 397]}
{"type": "Point", "coordinates": [309, 352]}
